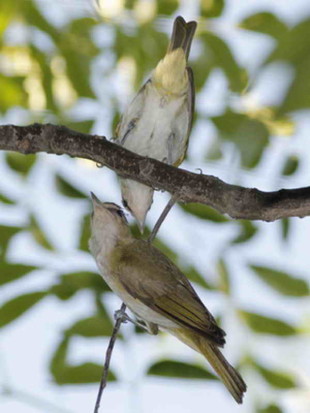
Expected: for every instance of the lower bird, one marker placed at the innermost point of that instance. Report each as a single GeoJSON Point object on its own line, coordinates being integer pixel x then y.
{"type": "Point", "coordinates": [158, 121]}
{"type": "Point", "coordinates": [156, 291]}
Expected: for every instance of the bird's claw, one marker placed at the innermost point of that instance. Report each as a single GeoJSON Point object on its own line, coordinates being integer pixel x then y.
{"type": "Point", "coordinates": [120, 315]}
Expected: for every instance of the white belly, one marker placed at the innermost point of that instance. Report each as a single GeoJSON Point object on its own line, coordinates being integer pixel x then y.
{"type": "Point", "coordinates": [158, 119]}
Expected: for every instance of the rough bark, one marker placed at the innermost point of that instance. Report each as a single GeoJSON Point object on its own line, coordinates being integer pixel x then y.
{"type": "Point", "coordinates": [236, 201]}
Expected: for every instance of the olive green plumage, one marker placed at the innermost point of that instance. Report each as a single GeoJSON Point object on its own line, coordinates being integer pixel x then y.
{"type": "Point", "coordinates": [156, 291]}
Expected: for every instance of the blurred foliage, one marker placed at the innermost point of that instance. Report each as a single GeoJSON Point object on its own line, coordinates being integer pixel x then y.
{"type": "Point", "coordinates": [267, 325]}
{"type": "Point", "coordinates": [67, 189]}
{"type": "Point", "coordinates": [177, 369]}
{"type": "Point", "coordinates": [277, 379]}
{"type": "Point", "coordinates": [272, 408]}
{"type": "Point", "coordinates": [14, 308]}
{"type": "Point", "coordinates": [53, 69]}
{"type": "Point", "coordinates": [291, 165]}
{"type": "Point", "coordinates": [20, 163]}
{"type": "Point", "coordinates": [65, 373]}
{"type": "Point", "coordinates": [38, 233]}
{"type": "Point", "coordinates": [282, 282]}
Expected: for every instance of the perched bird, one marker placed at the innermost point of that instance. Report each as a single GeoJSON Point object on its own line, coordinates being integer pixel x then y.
{"type": "Point", "coordinates": [158, 121]}
{"type": "Point", "coordinates": [156, 291]}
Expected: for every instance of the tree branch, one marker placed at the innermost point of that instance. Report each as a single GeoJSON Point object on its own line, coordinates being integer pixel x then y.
{"type": "Point", "coordinates": [104, 378]}
{"type": "Point", "coordinates": [236, 201]}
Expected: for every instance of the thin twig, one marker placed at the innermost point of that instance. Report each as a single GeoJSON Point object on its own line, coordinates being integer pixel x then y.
{"type": "Point", "coordinates": [108, 356]}
{"type": "Point", "coordinates": [162, 217]}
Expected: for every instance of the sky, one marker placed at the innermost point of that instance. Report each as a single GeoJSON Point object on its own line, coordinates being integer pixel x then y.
{"type": "Point", "coordinates": [26, 344]}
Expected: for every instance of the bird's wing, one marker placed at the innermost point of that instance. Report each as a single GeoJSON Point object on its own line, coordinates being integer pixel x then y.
{"type": "Point", "coordinates": [190, 107]}
{"type": "Point", "coordinates": [152, 278]}
{"type": "Point", "coordinates": [131, 115]}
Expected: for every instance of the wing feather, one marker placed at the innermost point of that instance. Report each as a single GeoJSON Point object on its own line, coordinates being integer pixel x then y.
{"type": "Point", "coordinates": [153, 279]}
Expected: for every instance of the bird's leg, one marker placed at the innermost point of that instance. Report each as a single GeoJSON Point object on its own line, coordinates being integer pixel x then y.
{"type": "Point", "coordinates": [162, 217]}
{"type": "Point", "coordinates": [150, 328]}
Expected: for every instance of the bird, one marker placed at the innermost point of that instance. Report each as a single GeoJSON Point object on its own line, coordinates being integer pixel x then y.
{"type": "Point", "coordinates": [158, 121]}
{"type": "Point", "coordinates": [156, 291]}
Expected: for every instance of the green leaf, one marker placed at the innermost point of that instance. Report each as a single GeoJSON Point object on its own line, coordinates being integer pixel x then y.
{"type": "Point", "coordinates": [277, 379]}
{"type": "Point", "coordinates": [250, 136]}
{"type": "Point", "coordinates": [266, 23]}
{"type": "Point", "coordinates": [7, 12]}
{"type": "Point", "coordinates": [282, 282]}
{"type": "Point", "coordinates": [64, 373]}
{"type": "Point", "coordinates": [29, 12]}
{"type": "Point", "coordinates": [6, 200]}
{"type": "Point", "coordinates": [224, 279]}
{"type": "Point", "coordinates": [84, 126]}
{"type": "Point", "coordinates": [285, 227]}
{"type": "Point", "coordinates": [69, 284]}
{"type": "Point", "coordinates": [39, 234]}
{"type": "Point", "coordinates": [67, 189]}
{"type": "Point", "coordinates": [6, 233]}
{"type": "Point", "coordinates": [247, 231]}
{"type": "Point", "coordinates": [11, 272]}
{"type": "Point", "coordinates": [298, 95]}
{"type": "Point", "coordinates": [167, 7]}
{"type": "Point", "coordinates": [78, 50]}
{"type": "Point", "coordinates": [84, 233]}
{"type": "Point", "coordinates": [220, 55]}
{"type": "Point", "coordinates": [267, 325]}
{"type": "Point", "coordinates": [193, 275]}
{"type": "Point", "coordinates": [14, 308]}
{"type": "Point", "coordinates": [46, 77]}
{"type": "Point", "coordinates": [272, 408]}
{"type": "Point", "coordinates": [83, 373]}
{"type": "Point", "coordinates": [204, 212]}
{"type": "Point", "coordinates": [294, 48]}
{"type": "Point", "coordinates": [180, 370]}
{"type": "Point", "coordinates": [211, 8]}
{"type": "Point", "coordinates": [12, 92]}
{"type": "Point", "coordinates": [20, 163]}
{"type": "Point", "coordinates": [291, 165]}
{"type": "Point", "coordinates": [129, 4]}
{"type": "Point", "coordinates": [95, 326]}
{"type": "Point", "coordinates": [202, 67]}
{"type": "Point", "coordinates": [295, 45]}
{"type": "Point", "coordinates": [145, 46]}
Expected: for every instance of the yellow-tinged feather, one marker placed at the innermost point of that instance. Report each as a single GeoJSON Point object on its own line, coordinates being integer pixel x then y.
{"type": "Point", "coordinates": [170, 75]}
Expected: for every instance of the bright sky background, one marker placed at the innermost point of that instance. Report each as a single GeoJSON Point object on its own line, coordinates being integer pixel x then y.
{"type": "Point", "coordinates": [25, 345]}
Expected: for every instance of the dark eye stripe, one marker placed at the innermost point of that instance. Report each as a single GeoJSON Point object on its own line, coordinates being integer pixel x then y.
{"type": "Point", "coordinates": [125, 204]}
{"type": "Point", "coordinates": [120, 213]}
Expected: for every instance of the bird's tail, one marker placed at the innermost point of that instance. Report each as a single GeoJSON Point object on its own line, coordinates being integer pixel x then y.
{"type": "Point", "coordinates": [182, 35]}
{"type": "Point", "coordinates": [229, 376]}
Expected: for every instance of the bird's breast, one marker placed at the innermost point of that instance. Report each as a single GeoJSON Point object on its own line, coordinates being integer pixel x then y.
{"type": "Point", "coordinates": [160, 117]}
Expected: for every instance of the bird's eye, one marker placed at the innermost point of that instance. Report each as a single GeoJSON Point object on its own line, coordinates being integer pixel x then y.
{"type": "Point", "coordinates": [120, 213]}
{"type": "Point", "coordinates": [125, 203]}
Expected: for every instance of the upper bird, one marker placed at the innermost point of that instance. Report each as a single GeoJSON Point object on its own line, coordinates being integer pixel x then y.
{"type": "Point", "coordinates": [156, 290]}
{"type": "Point", "coordinates": [158, 120]}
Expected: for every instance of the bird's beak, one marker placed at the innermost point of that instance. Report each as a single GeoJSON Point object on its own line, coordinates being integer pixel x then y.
{"type": "Point", "coordinates": [95, 200]}
{"type": "Point", "coordinates": [141, 226]}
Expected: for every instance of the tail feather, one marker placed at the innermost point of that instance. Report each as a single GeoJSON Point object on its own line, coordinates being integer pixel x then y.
{"type": "Point", "coordinates": [229, 376]}
{"type": "Point", "coordinates": [182, 35]}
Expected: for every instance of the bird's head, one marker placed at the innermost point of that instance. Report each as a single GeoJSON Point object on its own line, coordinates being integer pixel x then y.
{"type": "Point", "coordinates": [108, 223]}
